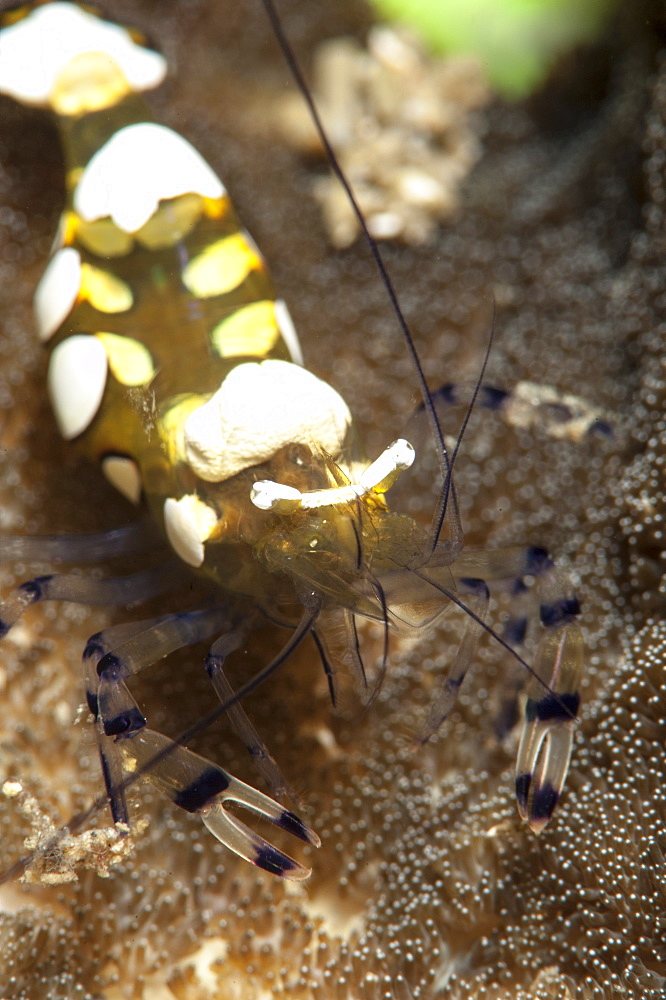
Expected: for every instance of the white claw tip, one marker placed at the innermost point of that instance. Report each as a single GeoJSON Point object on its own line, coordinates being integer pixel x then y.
{"type": "Point", "coordinates": [384, 471]}
{"type": "Point", "coordinates": [267, 495]}
{"type": "Point", "coordinates": [377, 478]}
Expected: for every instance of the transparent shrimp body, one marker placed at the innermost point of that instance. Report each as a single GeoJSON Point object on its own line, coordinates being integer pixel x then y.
{"type": "Point", "coordinates": [173, 365]}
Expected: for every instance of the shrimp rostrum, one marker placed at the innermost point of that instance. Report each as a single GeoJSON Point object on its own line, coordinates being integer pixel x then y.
{"type": "Point", "coordinates": [174, 366]}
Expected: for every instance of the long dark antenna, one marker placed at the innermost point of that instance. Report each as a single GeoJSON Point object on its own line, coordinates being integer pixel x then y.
{"type": "Point", "coordinates": [446, 462]}
{"type": "Point", "coordinates": [453, 597]}
{"type": "Point", "coordinates": [448, 488]}
{"type": "Point", "coordinates": [443, 455]}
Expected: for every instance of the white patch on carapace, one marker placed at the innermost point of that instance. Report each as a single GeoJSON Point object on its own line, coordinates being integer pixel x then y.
{"type": "Point", "coordinates": [258, 409]}
{"type": "Point", "coordinates": [36, 50]}
{"type": "Point", "coordinates": [76, 381]}
{"type": "Point", "coordinates": [188, 523]}
{"type": "Point", "coordinates": [57, 291]}
{"type": "Point", "coordinates": [124, 474]}
{"type": "Point", "coordinates": [137, 168]}
{"type": "Point", "coordinates": [288, 331]}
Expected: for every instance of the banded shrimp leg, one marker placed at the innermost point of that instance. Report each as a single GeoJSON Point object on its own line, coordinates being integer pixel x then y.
{"type": "Point", "coordinates": [553, 694]}
{"type": "Point", "coordinates": [529, 405]}
{"type": "Point", "coordinates": [469, 577]}
{"type": "Point", "coordinates": [131, 539]}
{"type": "Point", "coordinates": [187, 779]}
{"type": "Point", "coordinates": [552, 699]}
{"type": "Point", "coordinates": [125, 743]}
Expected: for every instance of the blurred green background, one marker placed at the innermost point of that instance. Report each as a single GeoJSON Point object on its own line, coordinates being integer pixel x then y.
{"type": "Point", "coordinates": [517, 40]}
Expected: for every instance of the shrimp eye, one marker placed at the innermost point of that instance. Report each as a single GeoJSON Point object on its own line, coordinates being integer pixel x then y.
{"type": "Point", "coordinates": [299, 455]}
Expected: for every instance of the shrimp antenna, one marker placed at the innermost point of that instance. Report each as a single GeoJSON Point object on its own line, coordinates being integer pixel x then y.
{"type": "Point", "coordinates": [446, 465]}
{"type": "Point", "coordinates": [453, 597]}
{"type": "Point", "coordinates": [446, 462]}
{"type": "Point", "coordinates": [448, 489]}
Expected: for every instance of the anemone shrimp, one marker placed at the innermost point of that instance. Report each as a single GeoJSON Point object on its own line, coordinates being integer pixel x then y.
{"type": "Point", "coordinates": [296, 528]}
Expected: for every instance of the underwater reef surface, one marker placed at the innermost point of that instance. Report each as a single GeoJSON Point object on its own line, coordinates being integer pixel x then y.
{"type": "Point", "coordinates": [426, 884]}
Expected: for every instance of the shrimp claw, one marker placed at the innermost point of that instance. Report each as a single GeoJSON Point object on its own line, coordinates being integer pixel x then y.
{"type": "Point", "coordinates": [198, 786]}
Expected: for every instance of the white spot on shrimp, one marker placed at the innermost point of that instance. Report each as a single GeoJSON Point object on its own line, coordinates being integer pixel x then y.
{"type": "Point", "coordinates": [188, 523]}
{"type": "Point", "coordinates": [124, 474]}
{"type": "Point", "coordinates": [35, 51]}
{"type": "Point", "coordinates": [137, 168]}
{"type": "Point", "coordinates": [258, 409]}
{"type": "Point", "coordinates": [76, 381]}
{"type": "Point", "coordinates": [57, 291]}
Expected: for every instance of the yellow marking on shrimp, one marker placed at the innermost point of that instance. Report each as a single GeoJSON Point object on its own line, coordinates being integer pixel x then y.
{"type": "Point", "coordinates": [104, 291]}
{"type": "Point", "coordinates": [101, 237]}
{"type": "Point", "coordinates": [89, 82]}
{"type": "Point", "coordinates": [175, 219]}
{"type": "Point", "coordinates": [253, 329]}
{"type": "Point", "coordinates": [67, 229]}
{"type": "Point", "coordinates": [172, 423]}
{"type": "Point", "coordinates": [129, 360]}
{"type": "Point", "coordinates": [221, 267]}
{"type": "Point", "coordinates": [216, 208]}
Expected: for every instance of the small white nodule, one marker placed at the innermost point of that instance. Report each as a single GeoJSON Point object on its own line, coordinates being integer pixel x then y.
{"type": "Point", "coordinates": [124, 474]}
